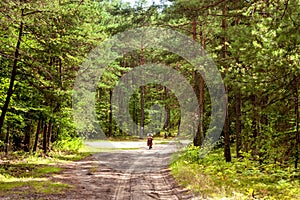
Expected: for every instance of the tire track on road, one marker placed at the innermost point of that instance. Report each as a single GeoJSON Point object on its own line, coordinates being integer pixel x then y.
{"type": "Point", "coordinates": [149, 178]}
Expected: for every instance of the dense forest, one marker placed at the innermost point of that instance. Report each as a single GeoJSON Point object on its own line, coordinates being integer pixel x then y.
{"type": "Point", "coordinates": [254, 44]}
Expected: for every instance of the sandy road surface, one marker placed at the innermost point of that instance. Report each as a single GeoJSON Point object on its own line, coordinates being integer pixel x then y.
{"type": "Point", "coordinates": [138, 174]}
{"type": "Point", "coordinates": [145, 173]}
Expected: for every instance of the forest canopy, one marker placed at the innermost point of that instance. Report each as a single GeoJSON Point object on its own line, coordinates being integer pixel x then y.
{"type": "Point", "coordinates": [254, 44]}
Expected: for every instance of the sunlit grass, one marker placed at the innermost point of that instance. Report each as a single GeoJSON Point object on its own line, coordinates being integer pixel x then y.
{"type": "Point", "coordinates": [31, 185]}
{"type": "Point", "coordinates": [240, 179]}
{"type": "Point", "coordinates": [29, 173]}
{"type": "Point", "coordinates": [92, 149]}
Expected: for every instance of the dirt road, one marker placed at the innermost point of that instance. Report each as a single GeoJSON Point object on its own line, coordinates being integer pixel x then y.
{"type": "Point", "coordinates": [139, 174]}
{"type": "Point", "coordinates": [136, 174]}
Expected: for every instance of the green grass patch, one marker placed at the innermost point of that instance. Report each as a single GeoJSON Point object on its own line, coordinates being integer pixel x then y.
{"type": "Point", "coordinates": [29, 173]}
{"type": "Point", "coordinates": [24, 178]}
{"type": "Point", "coordinates": [25, 170]}
{"type": "Point", "coordinates": [240, 179]}
{"type": "Point", "coordinates": [52, 157]}
{"type": "Point", "coordinates": [118, 138]}
{"type": "Point", "coordinates": [132, 138]}
{"type": "Point", "coordinates": [66, 157]}
{"type": "Point", "coordinates": [90, 149]}
{"type": "Point", "coordinates": [25, 186]}
{"type": "Point", "coordinates": [46, 170]}
{"type": "Point", "coordinates": [161, 142]}
{"type": "Point", "coordinates": [133, 148]}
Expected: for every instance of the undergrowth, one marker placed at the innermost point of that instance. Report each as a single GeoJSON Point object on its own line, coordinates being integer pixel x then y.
{"type": "Point", "coordinates": [68, 144]}
{"type": "Point", "coordinates": [242, 178]}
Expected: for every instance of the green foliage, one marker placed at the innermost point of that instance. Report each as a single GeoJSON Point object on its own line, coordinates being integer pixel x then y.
{"type": "Point", "coordinates": [242, 179]}
{"type": "Point", "coordinates": [261, 62]}
{"type": "Point", "coordinates": [68, 144]}
{"type": "Point", "coordinates": [190, 154]}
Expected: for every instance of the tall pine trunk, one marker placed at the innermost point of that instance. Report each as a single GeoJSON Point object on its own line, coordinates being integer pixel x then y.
{"type": "Point", "coordinates": [45, 137]}
{"type": "Point", "coordinates": [27, 137]}
{"type": "Point", "coordinates": [38, 130]}
{"type": "Point", "coordinates": [202, 88]}
{"type": "Point", "coordinates": [167, 109]}
{"type": "Point", "coordinates": [49, 134]}
{"type": "Point", "coordinates": [199, 90]}
{"type": "Point", "coordinates": [238, 122]}
{"type": "Point", "coordinates": [7, 139]}
{"type": "Point", "coordinates": [142, 91]}
{"type": "Point", "coordinates": [13, 74]}
{"type": "Point", "coordinates": [121, 111]}
{"type": "Point", "coordinates": [254, 125]}
{"type": "Point", "coordinates": [227, 153]}
{"type": "Point", "coordinates": [110, 120]}
{"type": "Point", "coordinates": [297, 122]}
{"type": "Point", "coordinates": [134, 115]}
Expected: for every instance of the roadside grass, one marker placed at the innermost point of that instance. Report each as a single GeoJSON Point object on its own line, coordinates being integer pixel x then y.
{"type": "Point", "coordinates": [132, 138]}
{"type": "Point", "coordinates": [30, 173]}
{"type": "Point", "coordinates": [162, 141]}
{"type": "Point", "coordinates": [87, 148]}
{"type": "Point", "coordinates": [69, 156]}
{"type": "Point", "coordinates": [241, 179]}
{"type": "Point", "coordinates": [30, 185]}
{"type": "Point", "coordinates": [119, 138]}
{"type": "Point", "coordinates": [91, 149]}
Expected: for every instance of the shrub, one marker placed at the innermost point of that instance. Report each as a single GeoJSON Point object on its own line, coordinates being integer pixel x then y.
{"type": "Point", "coordinates": [68, 144]}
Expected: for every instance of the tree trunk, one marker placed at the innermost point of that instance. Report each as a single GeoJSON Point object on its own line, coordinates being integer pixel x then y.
{"type": "Point", "coordinates": [297, 123]}
{"type": "Point", "coordinates": [197, 138]}
{"type": "Point", "coordinates": [142, 90]}
{"type": "Point", "coordinates": [60, 73]}
{"type": "Point", "coordinates": [202, 87]}
{"type": "Point", "coordinates": [45, 137]}
{"type": "Point", "coordinates": [263, 126]}
{"type": "Point", "coordinates": [7, 140]}
{"type": "Point", "coordinates": [134, 115]}
{"type": "Point", "coordinates": [238, 123]}
{"type": "Point", "coordinates": [13, 75]}
{"type": "Point", "coordinates": [110, 115]}
{"type": "Point", "coordinates": [40, 124]}
{"type": "Point", "coordinates": [167, 118]}
{"type": "Point", "coordinates": [55, 134]}
{"type": "Point", "coordinates": [199, 90]}
{"type": "Point", "coordinates": [27, 137]}
{"type": "Point", "coordinates": [121, 111]}
{"type": "Point", "coordinates": [254, 128]}
{"type": "Point", "coordinates": [49, 134]}
{"type": "Point", "coordinates": [264, 103]}
{"type": "Point", "coordinates": [227, 153]}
